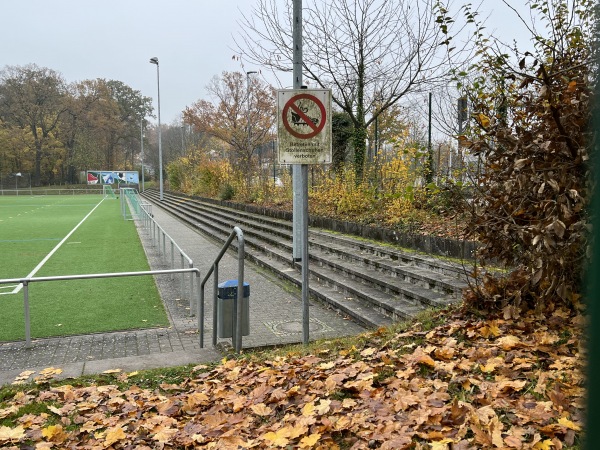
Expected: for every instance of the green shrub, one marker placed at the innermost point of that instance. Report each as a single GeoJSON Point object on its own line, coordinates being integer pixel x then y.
{"type": "Point", "coordinates": [226, 192]}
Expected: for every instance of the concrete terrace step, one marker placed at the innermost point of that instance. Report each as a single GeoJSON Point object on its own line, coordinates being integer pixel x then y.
{"type": "Point", "coordinates": [271, 259]}
{"type": "Point", "coordinates": [373, 284]}
{"type": "Point", "coordinates": [334, 271]}
{"type": "Point", "coordinates": [429, 272]}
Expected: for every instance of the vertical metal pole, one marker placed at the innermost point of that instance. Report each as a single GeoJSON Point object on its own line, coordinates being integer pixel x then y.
{"type": "Point", "coordinates": [200, 306]}
{"type": "Point", "coordinates": [191, 266]}
{"type": "Point", "coordinates": [172, 258]}
{"type": "Point", "coordinates": [160, 161]}
{"type": "Point", "coordinates": [305, 287]}
{"type": "Point", "coordinates": [429, 175]}
{"type": "Point", "coordinates": [300, 180]}
{"type": "Point", "coordinates": [27, 318]}
{"type": "Point", "coordinates": [142, 144]}
{"type": "Point", "coordinates": [182, 276]}
{"type": "Point", "coordinates": [296, 170]}
{"type": "Point", "coordinates": [238, 304]}
{"type": "Point", "coordinates": [215, 307]}
{"type": "Point", "coordinates": [248, 109]}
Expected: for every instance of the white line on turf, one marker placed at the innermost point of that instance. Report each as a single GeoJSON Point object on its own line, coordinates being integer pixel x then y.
{"type": "Point", "coordinates": [47, 257]}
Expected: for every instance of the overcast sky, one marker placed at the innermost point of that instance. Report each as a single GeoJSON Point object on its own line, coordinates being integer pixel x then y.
{"type": "Point", "coordinates": [114, 39]}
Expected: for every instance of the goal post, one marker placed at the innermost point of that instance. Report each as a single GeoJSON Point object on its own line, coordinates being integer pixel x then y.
{"type": "Point", "coordinates": [108, 191]}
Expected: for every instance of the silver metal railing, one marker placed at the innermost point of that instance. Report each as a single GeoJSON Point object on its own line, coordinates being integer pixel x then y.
{"type": "Point", "coordinates": [29, 280]}
{"type": "Point", "coordinates": [39, 191]}
{"type": "Point", "coordinates": [236, 338]}
{"type": "Point", "coordinates": [142, 211]}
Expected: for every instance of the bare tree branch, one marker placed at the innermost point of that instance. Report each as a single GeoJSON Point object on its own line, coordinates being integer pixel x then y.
{"type": "Point", "coordinates": [361, 49]}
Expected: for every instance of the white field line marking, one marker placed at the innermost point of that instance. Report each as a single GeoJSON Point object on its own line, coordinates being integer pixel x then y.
{"type": "Point", "coordinates": [49, 255]}
{"type": "Point", "coordinates": [8, 286]}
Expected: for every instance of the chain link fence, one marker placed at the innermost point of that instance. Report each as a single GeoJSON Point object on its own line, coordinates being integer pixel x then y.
{"type": "Point", "coordinates": [15, 181]}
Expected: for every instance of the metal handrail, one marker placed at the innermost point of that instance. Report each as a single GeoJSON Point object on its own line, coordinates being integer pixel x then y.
{"type": "Point", "coordinates": [27, 280]}
{"type": "Point", "coordinates": [236, 338]}
{"type": "Point", "coordinates": [156, 230]}
{"type": "Point", "coordinates": [39, 191]}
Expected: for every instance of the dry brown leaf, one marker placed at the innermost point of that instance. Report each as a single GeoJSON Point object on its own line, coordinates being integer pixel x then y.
{"type": "Point", "coordinates": [569, 424]}
{"type": "Point", "coordinates": [165, 435]}
{"type": "Point", "coordinates": [509, 342]}
{"type": "Point", "coordinates": [54, 433]}
{"type": "Point", "coordinates": [8, 411]}
{"type": "Point", "coordinates": [8, 434]}
{"type": "Point", "coordinates": [261, 410]}
{"type": "Point", "coordinates": [277, 438]}
{"type": "Point", "coordinates": [308, 409]}
{"type": "Point", "coordinates": [310, 441]}
{"type": "Point", "coordinates": [114, 434]}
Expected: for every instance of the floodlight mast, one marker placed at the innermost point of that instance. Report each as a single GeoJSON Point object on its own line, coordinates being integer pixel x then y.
{"type": "Point", "coordinates": [248, 104]}
{"type": "Point", "coordinates": [154, 60]}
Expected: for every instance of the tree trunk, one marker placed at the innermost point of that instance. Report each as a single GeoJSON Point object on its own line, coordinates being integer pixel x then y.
{"type": "Point", "coordinates": [38, 164]}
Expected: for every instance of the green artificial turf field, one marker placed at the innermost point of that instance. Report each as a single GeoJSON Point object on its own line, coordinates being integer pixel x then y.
{"type": "Point", "coordinates": [31, 227]}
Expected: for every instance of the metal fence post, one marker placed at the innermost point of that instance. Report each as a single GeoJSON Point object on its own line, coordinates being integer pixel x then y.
{"type": "Point", "coordinates": [237, 305]}
{"type": "Point", "coordinates": [200, 307]}
{"type": "Point", "coordinates": [172, 258]}
{"type": "Point", "coordinates": [215, 290]}
{"type": "Point", "coordinates": [182, 277]}
{"type": "Point", "coordinates": [27, 317]}
{"type": "Point", "coordinates": [191, 266]}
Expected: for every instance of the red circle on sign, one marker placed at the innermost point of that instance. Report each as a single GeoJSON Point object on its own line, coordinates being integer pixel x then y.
{"type": "Point", "coordinates": [316, 128]}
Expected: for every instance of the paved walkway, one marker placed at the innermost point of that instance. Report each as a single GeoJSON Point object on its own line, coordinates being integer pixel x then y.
{"type": "Point", "coordinates": [275, 319]}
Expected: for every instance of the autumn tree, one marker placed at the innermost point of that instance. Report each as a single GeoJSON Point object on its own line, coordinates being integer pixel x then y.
{"type": "Point", "coordinates": [16, 150]}
{"type": "Point", "coordinates": [531, 127]}
{"type": "Point", "coordinates": [371, 53]}
{"type": "Point", "coordinates": [239, 115]}
{"type": "Point", "coordinates": [101, 127]}
{"type": "Point", "coordinates": [131, 107]}
{"type": "Point", "coordinates": [32, 99]}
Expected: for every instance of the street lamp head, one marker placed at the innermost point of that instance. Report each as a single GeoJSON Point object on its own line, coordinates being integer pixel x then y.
{"type": "Point", "coordinates": [251, 72]}
{"type": "Point", "coordinates": [154, 60]}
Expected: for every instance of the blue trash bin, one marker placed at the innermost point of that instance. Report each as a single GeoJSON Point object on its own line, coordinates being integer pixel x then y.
{"type": "Point", "coordinates": [226, 293]}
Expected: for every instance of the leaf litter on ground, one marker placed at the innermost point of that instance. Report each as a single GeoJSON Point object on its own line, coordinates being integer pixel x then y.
{"type": "Point", "coordinates": [467, 383]}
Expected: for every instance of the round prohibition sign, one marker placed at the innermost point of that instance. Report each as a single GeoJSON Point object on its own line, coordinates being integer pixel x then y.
{"type": "Point", "coordinates": [314, 125]}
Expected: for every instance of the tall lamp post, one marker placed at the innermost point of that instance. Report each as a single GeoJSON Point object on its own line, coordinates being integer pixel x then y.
{"type": "Point", "coordinates": [142, 145]}
{"type": "Point", "coordinates": [248, 104]}
{"type": "Point", "coordinates": [154, 60]}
